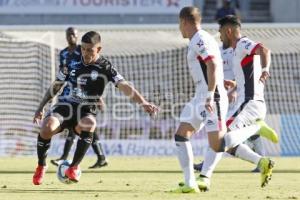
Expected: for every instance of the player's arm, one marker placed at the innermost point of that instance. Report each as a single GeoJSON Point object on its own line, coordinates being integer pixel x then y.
{"type": "Point", "coordinates": [211, 83]}
{"type": "Point", "coordinates": [50, 93]}
{"type": "Point", "coordinates": [265, 60]}
{"type": "Point", "coordinates": [206, 54]}
{"type": "Point", "coordinates": [101, 104]}
{"type": "Point", "coordinates": [52, 90]}
{"type": "Point", "coordinates": [135, 96]}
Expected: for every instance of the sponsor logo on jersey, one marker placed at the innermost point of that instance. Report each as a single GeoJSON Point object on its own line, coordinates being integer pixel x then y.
{"type": "Point", "coordinates": [94, 75]}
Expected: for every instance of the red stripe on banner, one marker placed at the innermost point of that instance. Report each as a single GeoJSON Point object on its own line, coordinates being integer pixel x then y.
{"type": "Point", "coordinates": [254, 49]}
{"type": "Point", "coordinates": [247, 60]}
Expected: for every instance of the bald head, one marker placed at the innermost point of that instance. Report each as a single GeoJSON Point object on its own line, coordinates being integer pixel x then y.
{"type": "Point", "coordinates": [71, 36]}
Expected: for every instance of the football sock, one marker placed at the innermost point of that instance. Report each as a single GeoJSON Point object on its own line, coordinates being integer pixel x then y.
{"type": "Point", "coordinates": [257, 145]}
{"type": "Point", "coordinates": [244, 152]}
{"type": "Point", "coordinates": [42, 150]}
{"type": "Point", "coordinates": [97, 147]}
{"type": "Point", "coordinates": [211, 160]}
{"type": "Point", "coordinates": [83, 143]}
{"type": "Point", "coordinates": [68, 144]}
{"type": "Point", "coordinates": [186, 159]}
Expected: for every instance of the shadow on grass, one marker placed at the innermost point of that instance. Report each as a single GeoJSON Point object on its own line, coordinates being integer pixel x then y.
{"type": "Point", "coordinates": [58, 191]}
{"type": "Point", "coordinates": [99, 171]}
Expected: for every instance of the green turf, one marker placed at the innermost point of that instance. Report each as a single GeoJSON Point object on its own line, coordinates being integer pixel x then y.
{"type": "Point", "coordinates": [147, 178]}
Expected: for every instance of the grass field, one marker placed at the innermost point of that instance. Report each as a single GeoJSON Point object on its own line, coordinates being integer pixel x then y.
{"type": "Point", "coordinates": [147, 178]}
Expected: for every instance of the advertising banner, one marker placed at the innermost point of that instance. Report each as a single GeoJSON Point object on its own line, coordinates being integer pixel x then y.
{"type": "Point", "coordinates": [92, 6]}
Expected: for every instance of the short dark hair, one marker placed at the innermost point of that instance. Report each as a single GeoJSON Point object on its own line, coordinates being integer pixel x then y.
{"type": "Point", "coordinates": [71, 29]}
{"type": "Point", "coordinates": [91, 37]}
{"type": "Point", "coordinates": [191, 14]}
{"type": "Point", "coordinates": [231, 20]}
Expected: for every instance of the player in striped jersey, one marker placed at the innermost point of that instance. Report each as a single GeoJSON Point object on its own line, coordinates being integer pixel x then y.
{"type": "Point", "coordinates": [208, 108]}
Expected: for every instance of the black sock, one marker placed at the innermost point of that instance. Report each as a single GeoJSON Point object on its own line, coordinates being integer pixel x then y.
{"type": "Point", "coordinates": [68, 144]}
{"type": "Point", "coordinates": [84, 141]}
{"type": "Point", "coordinates": [42, 150]}
{"type": "Point", "coordinates": [97, 147]}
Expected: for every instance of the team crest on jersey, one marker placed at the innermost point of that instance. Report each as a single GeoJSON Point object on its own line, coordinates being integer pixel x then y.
{"type": "Point", "coordinates": [94, 75]}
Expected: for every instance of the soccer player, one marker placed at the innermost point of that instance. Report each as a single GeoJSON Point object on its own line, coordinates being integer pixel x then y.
{"type": "Point", "coordinates": [208, 108]}
{"type": "Point", "coordinates": [67, 58]}
{"type": "Point", "coordinates": [254, 141]}
{"type": "Point", "coordinates": [87, 81]}
{"type": "Point", "coordinates": [250, 79]}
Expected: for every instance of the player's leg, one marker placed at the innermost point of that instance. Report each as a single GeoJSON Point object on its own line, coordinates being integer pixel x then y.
{"type": "Point", "coordinates": [252, 111]}
{"type": "Point", "coordinates": [255, 143]}
{"type": "Point", "coordinates": [50, 126]}
{"type": "Point", "coordinates": [186, 158]}
{"type": "Point", "coordinates": [67, 147]}
{"type": "Point", "coordinates": [190, 120]}
{"type": "Point", "coordinates": [97, 147]}
{"type": "Point", "coordinates": [85, 128]}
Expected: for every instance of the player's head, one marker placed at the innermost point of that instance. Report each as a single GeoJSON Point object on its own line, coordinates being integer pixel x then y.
{"type": "Point", "coordinates": [90, 46]}
{"type": "Point", "coordinates": [229, 29]}
{"type": "Point", "coordinates": [189, 19]}
{"type": "Point", "coordinates": [71, 35]}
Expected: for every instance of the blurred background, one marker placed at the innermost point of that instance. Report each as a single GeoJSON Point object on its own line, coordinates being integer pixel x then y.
{"type": "Point", "coordinates": [139, 11]}
{"type": "Point", "coordinates": [142, 40]}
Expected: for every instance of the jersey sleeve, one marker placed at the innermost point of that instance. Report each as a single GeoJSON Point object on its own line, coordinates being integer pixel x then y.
{"type": "Point", "coordinates": [203, 50]}
{"type": "Point", "coordinates": [248, 47]}
{"type": "Point", "coordinates": [62, 71]}
{"type": "Point", "coordinates": [113, 75]}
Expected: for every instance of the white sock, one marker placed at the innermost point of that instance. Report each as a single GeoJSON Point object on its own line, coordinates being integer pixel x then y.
{"type": "Point", "coordinates": [258, 146]}
{"type": "Point", "coordinates": [236, 137]}
{"type": "Point", "coordinates": [244, 152]}
{"type": "Point", "coordinates": [186, 160]}
{"type": "Point", "coordinates": [211, 160]}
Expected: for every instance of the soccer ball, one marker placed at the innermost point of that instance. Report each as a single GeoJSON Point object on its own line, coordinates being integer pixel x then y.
{"type": "Point", "coordinates": [61, 172]}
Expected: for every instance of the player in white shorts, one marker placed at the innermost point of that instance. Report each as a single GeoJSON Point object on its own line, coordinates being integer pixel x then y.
{"type": "Point", "coordinates": [254, 142]}
{"type": "Point", "coordinates": [250, 77]}
{"type": "Point", "coordinates": [209, 106]}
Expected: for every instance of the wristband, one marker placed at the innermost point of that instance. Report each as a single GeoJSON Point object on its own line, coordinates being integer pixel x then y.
{"type": "Point", "coordinates": [266, 69]}
{"type": "Point", "coordinates": [210, 94]}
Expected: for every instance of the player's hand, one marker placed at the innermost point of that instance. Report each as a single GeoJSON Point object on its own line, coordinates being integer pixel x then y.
{"type": "Point", "coordinates": [232, 96]}
{"type": "Point", "coordinates": [229, 84]}
{"type": "Point", "coordinates": [150, 108]}
{"type": "Point", "coordinates": [264, 76]}
{"type": "Point", "coordinates": [101, 105]}
{"type": "Point", "coordinates": [209, 105]}
{"type": "Point", "coordinates": [38, 116]}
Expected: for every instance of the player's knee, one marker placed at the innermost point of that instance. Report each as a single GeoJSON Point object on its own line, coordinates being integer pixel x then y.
{"type": "Point", "coordinates": [218, 147]}
{"type": "Point", "coordinates": [49, 128]}
{"type": "Point", "coordinates": [88, 124]}
{"type": "Point", "coordinates": [215, 148]}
